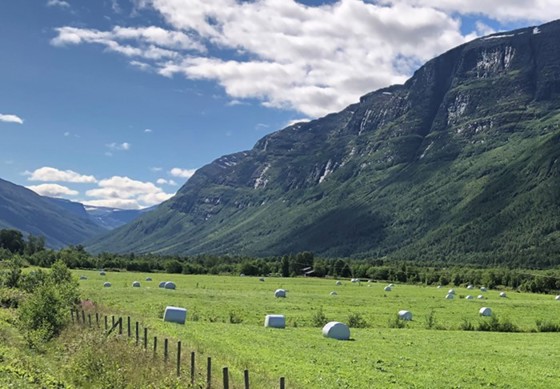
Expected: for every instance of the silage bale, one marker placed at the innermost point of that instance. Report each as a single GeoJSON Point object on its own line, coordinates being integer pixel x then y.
{"type": "Point", "coordinates": [261, 279]}
{"type": "Point", "coordinates": [338, 282]}
{"type": "Point", "coordinates": [148, 278]}
{"type": "Point", "coordinates": [451, 291]}
{"type": "Point", "coordinates": [558, 298]}
{"type": "Point", "coordinates": [175, 315]}
{"type": "Point", "coordinates": [449, 296]}
{"type": "Point", "coordinates": [482, 289]}
{"type": "Point", "coordinates": [280, 293]}
{"type": "Point", "coordinates": [387, 288]}
{"type": "Point", "coordinates": [333, 293]}
{"type": "Point", "coordinates": [107, 284]}
{"type": "Point", "coordinates": [162, 284]}
{"type": "Point", "coordinates": [485, 311]}
{"type": "Point", "coordinates": [136, 284]}
{"type": "Point", "coordinates": [336, 330]}
{"type": "Point", "coordinates": [469, 297]}
{"type": "Point", "coordinates": [503, 294]}
{"type": "Point", "coordinates": [275, 321]}
{"type": "Point", "coordinates": [101, 273]}
{"type": "Point", "coordinates": [405, 315]}
{"type": "Point", "coordinates": [439, 286]}
{"type": "Point", "coordinates": [169, 285]}
{"type": "Point", "coordinates": [470, 287]}
{"type": "Point", "coordinates": [83, 278]}
{"type": "Point", "coordinates": [480, 297]}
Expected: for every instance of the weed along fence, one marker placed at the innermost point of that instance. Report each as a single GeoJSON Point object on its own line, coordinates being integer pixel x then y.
{"type": "Point", "coordinates": [139, 336]}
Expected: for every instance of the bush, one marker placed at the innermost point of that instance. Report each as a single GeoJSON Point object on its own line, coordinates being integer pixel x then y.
{"type": "Point", "coordinates": [234, 318]}
{"type": "Point", "coordinates": [430, 320]}
{"type": "Point", "coordinates": [495, 325]}
{"type": "Point", "coordinates": [546, 326]}
{"type": "Point", "coordinates": [396, 322]}
{"type": "Point", "coordinates": [355, 320]}
{"type": "Point", "coordinates": [11, 298]}
{"type": "Point", "coordinates": [466, 325]}
{"type": "Point", "coordinates": [319, 319]}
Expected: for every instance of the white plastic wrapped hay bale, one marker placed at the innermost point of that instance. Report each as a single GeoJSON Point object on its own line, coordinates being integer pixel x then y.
{"type": "Point", "coordinates": [136, 284]}
{"type": "Point", "coordinates": [101, 273]}
{"type": "Point", "coordinates": [261, 279]}
{"type": "Point", "coordinates": [449, 296]}
{"type": "Point", "coordinates": [405, 315]}
{"type": "Point", "coordinates": [148, 278]}
{"type": "Point", "coordinates": [485, 311]}
{"type": "Point", "coordinates": [480, 297]}
{"type": "Point", "coordinates": [338, 282]}
{"type": "Point", "coordinates": [439, 286]}
{"type": "Point", "coordinates": [391, 285]}
{"type": "Point", "coordinates": [336, 330]}
{"type": "Point", "coordinates": [275, 321]}
{"type": "Point", "coordinates": [470, 287]}
{"type": "Point", "coordinates": [333, 293]}
{"type": "Point", "coordinates": [162, 284]}
{"type": "Point", "coordinates": [558, 298]}
{"type": "Point", "coordinates": [83, 278]}
{"type": "Point", "coordinates": [169, 285]}
{"type": "Point", "coordinates": [451, 291]}
{"type": "Point", "coordinates": [387, 288]}
{"type": "Point", "coordinates": [503, 294]}
{"type": "Point", "coordinates": [468, 297]}
{"type": "Point", "coordinates": [107, 284]}
{"type": "Point", "coordinates": [175, 315]}
{"type": "Point", "coordinates": [279, 293]}
{"type": "Point", "coordinates": [483, 289]}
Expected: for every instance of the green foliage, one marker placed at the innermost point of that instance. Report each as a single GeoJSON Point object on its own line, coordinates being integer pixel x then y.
{"type": "Point", "coordinates": [396, 322]}
{"type": "Point", "coordinates": [495, 324]}
{"type": "Point", "coordinates": [11, 297]}
{"type": "Point", "coordinates": [547, 326]}
{"type": "Point", "coordinates": [319, 319]}
{"type": "Point", "coordinates": [355, 320]}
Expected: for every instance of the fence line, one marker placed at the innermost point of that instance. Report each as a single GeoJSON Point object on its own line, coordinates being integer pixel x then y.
{"type": "Point", "coordinates": [117, 323]}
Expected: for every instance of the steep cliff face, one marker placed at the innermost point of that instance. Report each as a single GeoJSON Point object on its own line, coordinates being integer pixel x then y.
{"type": "Point", "coordinates": [456, 162]}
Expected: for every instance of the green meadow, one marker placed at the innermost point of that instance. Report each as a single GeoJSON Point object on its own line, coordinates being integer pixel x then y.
{"type": "Point", "coordinates": [226, 316]}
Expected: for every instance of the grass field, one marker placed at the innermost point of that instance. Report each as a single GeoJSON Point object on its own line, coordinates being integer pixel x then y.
{"type": "Point", "coordinates": [226, 316]}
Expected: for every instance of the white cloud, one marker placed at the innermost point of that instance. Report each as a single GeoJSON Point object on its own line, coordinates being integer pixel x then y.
{"type": "Point", "coordinates": [148, 130]}
{"type": "Point", "coordinates": [58, 3]}
{"type": "Point", "coordinates": [163, 181]}
{"type": "Point", "coordinates": [125, 146]}
{"type": "Point", "coordinates": [8, 118]}
{"type": "Point", "coordinates": [313, 59]}
{"type": "Point", "coordinates": [183, 173]}
{"type": "Point", "coordinates": [124, 192]}
{"type": "Point", "coordinates": [53, 190]}
{"type": "Point", "coordinates": [156, 169]}
{"type": "Point", "coordinates": [47, 174]}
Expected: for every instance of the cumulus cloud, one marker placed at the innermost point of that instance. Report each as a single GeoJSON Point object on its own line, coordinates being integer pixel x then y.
{"type": "Point", "coordinates": [125, 146]}
{"type": "Point", "coordinates": [183, 173]}
{"type": "Point", "coordinates": [124, 192]}
{"type": "Point", "coordinates": [53, 190]}
{"type": "Point", "coordinates": [58, 3]}
{"type": "Point", "coordinates": [163, 181]}
{"type": "Point", "coordinates": [8, 118]}
{"type": "Point", "coordinates": [50, 174]}
{"type": "Point", "coordinates": [313, 59]}
{"type": "Point", "coordinates": [148, 130]}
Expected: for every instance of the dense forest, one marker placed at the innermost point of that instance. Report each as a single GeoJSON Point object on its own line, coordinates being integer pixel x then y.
{"type": "Point", "coordinates": [31, 251]}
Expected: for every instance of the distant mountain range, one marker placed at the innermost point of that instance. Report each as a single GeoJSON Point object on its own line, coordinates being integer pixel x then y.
{"type": "Point", "coordinates": [62, 222]}
{"type": "Point", "coordinates": [460, 163]}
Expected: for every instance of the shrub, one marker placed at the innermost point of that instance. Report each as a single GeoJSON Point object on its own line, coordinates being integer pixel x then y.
{"type": "Point", "coordinates": [355, 320]}
{"type": "Point", "coordinates": [466, 325]}
{"type": "Point", "coordinates": [319, 319]}
{"type": "Point", "coordinates": [396, 322]}
{"type": "Point", "coordinates": [430, 320]}
{"type": "Point", "coordinates": [546, 326]}
{"type": "Point", "coordinates": [234, 318]}
{"type": "Point", "coordinates": [495, 325]}
{"type": "Point", "coordinates": [11, 298]}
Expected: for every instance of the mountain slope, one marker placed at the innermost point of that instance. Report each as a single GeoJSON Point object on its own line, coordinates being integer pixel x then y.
{"type": "Point", "coordinates": [459, 163]}
{"type": "Point", "coordinates": [24, 210]}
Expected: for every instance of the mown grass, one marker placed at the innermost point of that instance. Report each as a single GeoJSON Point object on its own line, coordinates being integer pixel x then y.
{"type": "Point", "coordinates": [441, 356]}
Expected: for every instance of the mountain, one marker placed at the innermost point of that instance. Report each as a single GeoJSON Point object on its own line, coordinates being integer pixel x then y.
{"type": "Point", "coordinates": [26, 211]}
{"type": "Point", "coordinates": [461, 163]}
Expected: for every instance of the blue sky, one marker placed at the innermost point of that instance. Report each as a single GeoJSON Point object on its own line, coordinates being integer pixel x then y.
{"type": "Point", "coordinates": [118, 102]}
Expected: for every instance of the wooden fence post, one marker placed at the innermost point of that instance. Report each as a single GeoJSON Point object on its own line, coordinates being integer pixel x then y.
{"type": "Point", "coordinates": [83, 317]}
{"type": "Point", "coordinates": [137, 336]}
{"type": "Point", "coordinates": [128, 325]}
{"type": "Point", "coordinates": [89, 319]}
{"type": "Point", "coordinates": [155, 345]}
{"type": "Point", "coordinates": [106, 325]}
{"type": "Point", "coordinates": [145, 338]}
{"type": "Point", "coordinates": [112, 320]}
{"type": "Point", "coordinates": [246, 378]}
{"type": "Point", "coordinates": [97, 318]}
{"type": "Point", "coordinates": [179, 358]}
{"type": "Point", "coordinates": [120, 325]}
{"type": "Point", "coordinates": [165, 344]}
{"type": "Point", "coordinates": [192, 367]}
{"type": "Point", "coordinates": [226, 378]}
{"type": "Point", "coordinates": [72, 313]}
{"type": "Point", "coordinates": [209, 373]}
{"type": "Point", "coordinates": [282, 383]}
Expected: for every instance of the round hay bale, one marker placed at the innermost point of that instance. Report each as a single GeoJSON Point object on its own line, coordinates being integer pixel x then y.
{"type": "Point", "coordinates": [387, 288]}
{"type": "Point", "coordinates": [449, 296]}
{"type": "Point", "coordinates": [175, 315]}
{"type": "Point", "coordinates": [107, 284]}
{"type": "Point", "coordinates": [439, 286]}
{"type": "Point", "coordinates": [470, 287]}
{"type": "Point", "coordinates": [242, 275]}
{"type": "Point", "coordinates": [275, 321]}
{"type": "Point", "coordinates": [148, 278]}
{"type": "Point", "coordinates": [391, 285]}
{"type": "Point", "coordinates": [162, 284]}
{"type": "Point", "coordinates": [451, 291]}
{"type": "Point", "coordinates": [469, 297]}
{"type": "Point", "coordinates": [482, 289]}
{"type": "Point", "coordinates": [480, 297]}
{"type": "Point", "coordinates": [169, 285]}
{"type": "Point", "coordinates": [355, 280]}
{"type": "Point", "coordinates": [280, 293]}
{"type": "Point", "coordinates": [333, 293]}
{"type": "Point", "coordinates": [336, 330]}
{"type": "Point", "coordinates": [101, 273]}
{"type": "Point", "coordinates": [83, 278]}
{"type": "Point", "coordinates": [503, 294]}
{"type": "Point", "coordinates": [557, 298]}
{"type": "Point", "coordinates": [405, 315]}
{"type": "Point", "coordinates": [338, 282]}
{"type": "Point", "coordinates": [261, 279]}
{"type": "Point", "coordinates": [136, 284]}
{"type": "Point", "coordinates": [485, 311]}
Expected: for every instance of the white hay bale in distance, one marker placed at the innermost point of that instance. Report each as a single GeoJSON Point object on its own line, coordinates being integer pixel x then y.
{"type": "Point", "coordinates": [333, 293]}
{"type": "Point", "coordinates": [162, 284]}
{"type": "Point", "coordinates": [503, 294]}
{"type": "Point", "coordinates": [107, 284]}
{"type": "Point", "coordinates": [485, 311]}
{"type": "Point", "coordinates": [101, 273]}
{"type": "Point", "coordinates": [469, 297]}
{"type": "Point", "coordinates": [136, 284]}
{"type": "Point", "coordinates": [450, 296]}
{"type": "Point", "coordinates": [387, 288]}
{"type": "Point", "coordinates": [261, 279]}
{"type": "Point", "coordinates": [338, 282]}
{"type": "Point", "coordinates": [470, 287]}
{"type": "Point", "coordinates": [175, 315]}
{"type": "Point", "coordinates": [391, 285]}
{"type": "Point", "coordinates": [275, 321]}
{"type": "Point", "coordinates": [336, 330]}
{"type": "Point", "coordinates": [483, 289]}
{"type": "Point", "coordinates": [480, 297]}
{"type": "Point", "coordinates": [169, 285]}
{"type": "Point", "coordinates": [439, 286]}
{"type": "Point", "coordinates": [280, 293]}
{"type": "Point", "coordinates": [83, 278]}
{"type": "Point", "coordinates": [558, 298]}
{"type": "Point", "coordinates": [148, 278]}
{"type": "Point", "coordinates": [451, 291]}
{"type": "Point", "coordinates": [405, 315]}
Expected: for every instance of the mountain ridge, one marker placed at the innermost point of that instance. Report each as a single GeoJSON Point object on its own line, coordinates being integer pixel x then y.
{"type": "Point", "coordinates": [401, 173]}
